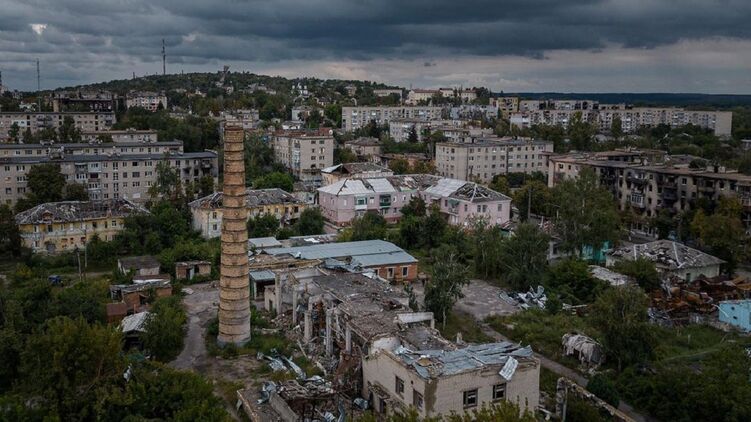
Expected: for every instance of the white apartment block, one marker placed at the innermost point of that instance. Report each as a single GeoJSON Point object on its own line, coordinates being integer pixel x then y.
{"type": "Point", "coordinates": [122, 136]}
{"type": "Point", "coordinates": [305, 152]}
{"type": "Point", "coordinates": [387, 91]}
{"type": "Point", "coordinates": [632, 118]}
{"type": "Point", "coordinates": [485, 158]}
{"type": "Point", "coordinates": [109, 171]}
{"type": "Point", "coordinates": [147, 100]}
{"type": "Point", "coordinates": [36, 121]}
{"type": "Point", "coordinates": [354, 118]}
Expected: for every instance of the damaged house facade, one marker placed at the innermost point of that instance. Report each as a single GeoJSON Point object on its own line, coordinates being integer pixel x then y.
{"type": "Point", "coordinates": [459, 201]}
{"type": "Point", "coordinates": [361, 329]}
{"type": "Point", "coordinates": [672, 259]}
{"type": "Point", "coordinates": [55, 227]}
{"type": "Point", "coordinates": [206, 213]}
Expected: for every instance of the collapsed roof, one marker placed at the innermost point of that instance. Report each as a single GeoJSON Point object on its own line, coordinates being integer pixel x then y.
{"type": "Point", "coordinates": [253, 198]}
{"type": "Point", "coordinates": [667, 255]}
{"type": "Point", "coordinates": [76, 211]}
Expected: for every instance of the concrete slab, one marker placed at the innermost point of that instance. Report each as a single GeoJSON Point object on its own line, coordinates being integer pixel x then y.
{"type": "Point", "coordinates": [481, 300]}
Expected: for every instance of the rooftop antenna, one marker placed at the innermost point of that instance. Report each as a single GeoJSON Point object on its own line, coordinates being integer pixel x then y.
{"type": "Point", "coordinates": [164, 59]}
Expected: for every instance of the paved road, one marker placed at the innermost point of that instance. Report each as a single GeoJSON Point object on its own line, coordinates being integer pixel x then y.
{"type": "Point", "coordinates": [566, 372]}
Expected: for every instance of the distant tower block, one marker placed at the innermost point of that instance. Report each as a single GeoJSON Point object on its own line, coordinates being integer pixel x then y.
{"type": "Point", "coordinates": [234, 293]}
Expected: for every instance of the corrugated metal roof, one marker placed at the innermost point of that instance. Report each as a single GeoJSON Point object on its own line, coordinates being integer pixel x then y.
{"type": "Point", "coordinates": [445, 187]}
{"type": "Point", "coordinates": [264, 242]}
{"type": "Point", "coordinates": [338, 250]}
{"type": "Point", "coordinates": [383, 259]}
{"type": "Point", "coordinates": [262, 275]}
{"type": "Point", "coordinates": [381, 186]}
{"type": "Point", "coordinates": [346, 187]}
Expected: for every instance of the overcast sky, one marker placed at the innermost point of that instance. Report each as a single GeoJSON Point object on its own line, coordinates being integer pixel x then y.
{"type": "Point", "coordinates": [511, 45]}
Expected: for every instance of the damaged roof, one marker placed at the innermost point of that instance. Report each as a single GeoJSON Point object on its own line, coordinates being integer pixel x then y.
{"type": "Point", "coordinates": [440, 363]}
{"type": "Point", "coordinates": [76, 211]}
{"type": "Point", "coordinates": [428, 183]}
{"type": "Point", "coordinates": [667, 255]}
{"type": "Point", "coordinates": [253, 198]}
{"type": "Point", "coordinates": [354, 168]}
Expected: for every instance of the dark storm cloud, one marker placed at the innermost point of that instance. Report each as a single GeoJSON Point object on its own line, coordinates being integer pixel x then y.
{"type": "Point", "coordinates": [97, 33]}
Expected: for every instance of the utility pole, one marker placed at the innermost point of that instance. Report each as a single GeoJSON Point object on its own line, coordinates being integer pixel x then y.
{"type": "Point", "coordinates": [164, 59]}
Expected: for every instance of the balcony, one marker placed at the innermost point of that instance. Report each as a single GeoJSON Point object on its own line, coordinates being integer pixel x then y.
{"type": "Point", "coordinates": [637, 180]}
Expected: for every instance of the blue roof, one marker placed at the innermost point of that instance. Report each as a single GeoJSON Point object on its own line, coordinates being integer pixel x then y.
{"type": "Point", "coordinates": [262, 275]}
{"type": "Point", "coordinates": [400, 257]}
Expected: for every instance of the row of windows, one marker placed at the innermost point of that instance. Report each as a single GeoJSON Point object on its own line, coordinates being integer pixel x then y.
{"type": "Point", "coordinates": [469, 397]}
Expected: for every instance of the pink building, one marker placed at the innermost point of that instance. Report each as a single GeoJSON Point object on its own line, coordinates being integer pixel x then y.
{"type": "Point", "coordinates": [459, 201]}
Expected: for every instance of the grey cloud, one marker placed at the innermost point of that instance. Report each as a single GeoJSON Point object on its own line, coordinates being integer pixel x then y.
{"type": "Point", "coordinates": [86, 33]}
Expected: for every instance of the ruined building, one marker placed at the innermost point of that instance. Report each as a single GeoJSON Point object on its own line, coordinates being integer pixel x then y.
{"type": "Point", "coordinates": [234, 294]}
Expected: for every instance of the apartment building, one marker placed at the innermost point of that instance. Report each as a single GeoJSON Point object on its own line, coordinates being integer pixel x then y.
{"type": "Point", "coordinates": [354, 118]}
{"type": "Point", "coordinates": [416, 96]}
{"type": "Point", "coordinates": [338, 172]}
{"type": "Point", "coordinates": [248, 119]}
{"type": "Point", "coordinates": [632, 118]}
{"type": "Point", "coordinates": [94, 101]}
{"type": "Point", "coordinates": [474, 112]}
{"type": "Point", "coordinates": [387, 92]}
{"type": "Point", "coordinates": [459, 201]}
{"type": "Point", "coordinates": [506, 105]}
{"type": "Point", "coordinates": [122, 136]}
{"type": "Point", "coordinates": [56, 227]}
{"type": "Point", "coordinates": [110, 171]}
{"type": "Point", "coordinates": [400, 129]}
{"type": "Point", "coordinates": [364, 147]}
{"type": "Point", "coordinates": [35, 121]}
{"type": "Point", "coordinates": [647, 186]}
{"type": "Point", "coordinates": [482, 159]}
{"type": "Point", "coordinates": [305, 152]}
{"type": "Point", "coordinates": [207, 212]}
{"type": "Point", "coordinates": [147, 100]}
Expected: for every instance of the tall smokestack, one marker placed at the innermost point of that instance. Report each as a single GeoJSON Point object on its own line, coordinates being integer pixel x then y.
{"type": "Point", "coordinates": [234, 293]}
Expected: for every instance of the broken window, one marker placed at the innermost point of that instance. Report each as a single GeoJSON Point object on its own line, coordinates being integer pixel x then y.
{"type": "Point", "coordinates": [470, 398]}
{"type": "Point", "coordinates": [417, 399]}
{"type": "Point", "coordinates": [399, 385]}
{"type": "Point", "coordinates": [499, 391]}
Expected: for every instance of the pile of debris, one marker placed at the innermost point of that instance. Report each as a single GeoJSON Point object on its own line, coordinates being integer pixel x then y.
{"type": "Point", "coordinates": [678, 299]}
{"type": "Point", "coordinates": [530, 299]}
{"type": "Point", "coordinates": [586, 349]}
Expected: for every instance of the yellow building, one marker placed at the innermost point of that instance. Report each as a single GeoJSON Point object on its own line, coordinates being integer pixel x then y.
{"type": "Point", "coordinates": [56, 227]}
{"type": "Point", "coordinates": [206, 212]}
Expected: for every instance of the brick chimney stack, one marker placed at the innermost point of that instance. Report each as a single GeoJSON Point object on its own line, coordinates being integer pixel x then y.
{"type": "Point", "coordinates": [234, 293]}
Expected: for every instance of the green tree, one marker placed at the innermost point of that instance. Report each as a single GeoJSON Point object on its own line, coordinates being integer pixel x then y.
{"type": "Point", "coordinates": [500, 184]}
{"type": "Point", "coordinates": [167, 183]}
{"type": "Point", "coordinates": [45, 183]}
{"type": "Point", "coordinates": [399, 166]}
{"type": "Point", "coordinates": [722, 233]}
{"type": "Point", "coordinates": [571, 280]}
{"type": "Point", "coordinates": [616, 127]}
{"type": "Point", "coordinates": [412, 137]}
{"type": "Point", "coordinates": [275, 179]}
{"type": "Point", "coordinates": [642, 270]}
{"type": "Point", "coordinates": [585, 213]}
{"type": "Point", "coordinates": [448, 277]}
{"type": "Point", "coordinates": [264, 225]}
{"type": "Point", "coordinates": [206, 185]}
{"type": "Point", "coordinates": [76, 192]}
{"type": "Point", "coordinates": [534, 193]}
{"type": "Point", "coordinates": [368, 227]}
{"type": "Point", "coordinates": [71, 367]}
{"type": "Point", "coordinates": [68, 132]}
{"type": "Point", "coordinates": [523, 256]}
{"type": "Point", "coordinates": [620, 316]}
{"type": "Point", "coordinates": [664, 223]}
{"type": "Point", "coordinates": [581, 133]}
{"type": "Point", "coordinates": [310, 222]}
{"type": "Point", "coordinates": [164, 329]}
{"type": "Point", "coordinates": [602, 387]}
{"type": "Point", "coordinates": [14, 133]}
{"type": "Point", "coordinates": [415, 207]}
{"type": "Point", "coordinates": [10, 237]}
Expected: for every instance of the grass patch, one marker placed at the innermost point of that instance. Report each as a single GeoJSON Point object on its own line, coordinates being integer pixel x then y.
{"type": "Point", "coordinates": [548, 381]}
{"type": "Point", "coordinates": [460, 322]}
{"type": "Point", "coordinates": [690, 343]}
{"type": "Point", "coordinates": [541, 330]}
